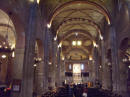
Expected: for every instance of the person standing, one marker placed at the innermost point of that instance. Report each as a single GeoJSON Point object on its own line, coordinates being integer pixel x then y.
{"type": "Point", "coordinates": [85, 92]}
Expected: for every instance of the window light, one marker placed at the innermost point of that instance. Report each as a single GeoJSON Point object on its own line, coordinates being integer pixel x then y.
{"type": "Point", "coordinates": [74, 43]}
{"type": "Point", "coordinates": [90, 58]}
{"type": "Point", "coordinates": [82, 66]}
{"type": "Point", "coordinates": [79, 43]}
{"type": "Point", "coordinates": [70, 66]}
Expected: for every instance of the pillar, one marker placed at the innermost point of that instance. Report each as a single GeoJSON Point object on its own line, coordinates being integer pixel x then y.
{"type": "Point", "coordinates": [27, 82]}
{"type": "Point", "coordinates": [96, 64]}
{"type": "Point", "coordinates": [52, 64]}
{"type": "Point", "coordinates": [18, 63]}
{"type": "Point", "coordinates": [58, 69]}
{"type": "Point", "coordinates": [104, 67]}
{"type": "Point", "coordinates": [46, 59]}
{"type": "Point", "coordinates": [39, 78]}
{"type": "Point", "coordinates": [123, 78]}
{"type": "Point", "coordinates": [17, 68]}
{"type": "Point", "coordinates": [95, 72]}
{"type": "Point", "coordinates": [115, 64]}
{"type": "Point", "coordinates": [62, 71]}
{"type": "Point", "coordinates": [90, 65]}
{"type": "Point", "coordinates": [54, 54]}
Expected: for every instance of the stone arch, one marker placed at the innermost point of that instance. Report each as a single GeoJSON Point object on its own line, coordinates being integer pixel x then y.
{"type": "Point", "coordinates": [12, 26]}
{"type": "Point", "coordinates": [57, 10]}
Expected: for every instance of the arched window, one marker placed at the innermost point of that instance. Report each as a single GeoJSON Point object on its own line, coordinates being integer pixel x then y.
{"type": "Point", "coordinates": [82, 66]}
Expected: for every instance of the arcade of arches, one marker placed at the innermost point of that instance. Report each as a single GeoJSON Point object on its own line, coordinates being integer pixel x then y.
{"type": "Point", "coordinates": [45, 43]}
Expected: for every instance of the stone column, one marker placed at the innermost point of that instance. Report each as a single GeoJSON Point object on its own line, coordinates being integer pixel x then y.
{"type": "Point", "coordinates": [123, 78]}
{"type": "Point", "coordinates": [62, 71]}
{"type": "Point", "coordinates": [58, 79]}
{"type": "Point", "coordinates": [108, 75]}
{"type": "Point", "coordinates": [52, 61]}
{"type": "Point", "coordinates": [27, 82]}
{"type": "Point", "coordinates": [96, 64]}
{"type": "Point", "coordinates": [104, 66]}
{"type": "Point", "coordinates": [39, 78]}
{"type": "Point", "coordinates": [18, 63]}
{"type": "Point", "coordinates": [92, 75]}
{"type": "Point", "coordinates": [115, 64]}
{"type": "Point", "coordinates": [90, 65]}
{"type": "Point", "coordinates": [46, 60]}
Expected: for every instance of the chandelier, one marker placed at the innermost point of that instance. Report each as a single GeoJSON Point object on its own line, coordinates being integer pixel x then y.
{"type": "Point", "coordinates": [5, 46]}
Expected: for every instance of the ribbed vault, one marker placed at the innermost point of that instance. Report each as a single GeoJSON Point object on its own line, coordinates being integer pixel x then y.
{"type": "Point", "coordinates": [79, 21]}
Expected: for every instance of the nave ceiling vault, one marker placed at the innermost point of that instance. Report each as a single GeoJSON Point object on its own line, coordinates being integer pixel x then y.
{"type": "Point", "coordinates": [78, 21]}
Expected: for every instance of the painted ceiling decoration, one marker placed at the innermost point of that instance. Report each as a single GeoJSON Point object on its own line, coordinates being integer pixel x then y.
{"type": "Point", "coordinates": [78, 21]}
{"type": "Point", "coordinates": [76, 6]}
{"type": "Point", "coordinates": [80, 32]}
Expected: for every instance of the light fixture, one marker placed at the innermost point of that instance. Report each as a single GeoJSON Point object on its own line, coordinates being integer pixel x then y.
{"type": "Point", "coordinates": [63, 58]}
{"type": "Point", "coordinates": [65, 81]}
{"type": "Point", "coordinates": [13, 46]}
{"type": "Point", "coordinates": [55, 38]}
{"type": "Point", "coordinates": [94, 44]}
{"type": "Point", "coordinates": [70, 66]}
{"type": "Point", "coordinates": [124, 60]}
{"type": "Point", "coordinates": [49, 63]}
{"type": "Point", "coordinates": [60, 45]}
{"type": "Point", "coordinates": [90, 58]}
{"type": "Point", "coordinates": [76, 34]}
{"type": "Point", "coordinates": [79, 43]}
{"type": "Point", "coordinates": [13, 54]}
{"type": "Point", "coordinates": [3, 56]}
{"type": "Point", "coordinates": [37, 60]}
{"type": "Point", "coordinates": [129, 66]}
{"type": "Point", "coordinates": [6, 47]}
{"type": "Point", "coordinates": [35, 65]}
{"type": "Point", "coordinates": [100, 66]}
{"type": "Point", "coordinates": [82, 66]}
{"type": "Point", "coordinates": [3, 43]}
{"type": "Point", "coordinates": [38, 1]}
{"type": "Point", "coordinates": [31, 1]}
{"type": "Point", "coordinates": [109, 64]}
{"type": "Point", "coordinates": [48, 25]}
{"type": "Point", "coordinates": [108, 20]}
{"type": "Point", "coordinates": [74, 43]}
{"type": "Point", "coordinates": [101, 37]}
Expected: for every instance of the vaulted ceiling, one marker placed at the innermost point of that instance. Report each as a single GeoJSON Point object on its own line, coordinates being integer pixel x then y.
{"type": "Point", "coordinates": [73, 20]}
{"type": "Point", "coordinates": [7, 29]}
